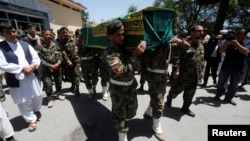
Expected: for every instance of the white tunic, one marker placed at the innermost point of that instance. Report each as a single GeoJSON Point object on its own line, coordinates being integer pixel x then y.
{"type": "Point", "coordinates": [6, 129]}
{"type": "Point", "coordinates": [30, 85]}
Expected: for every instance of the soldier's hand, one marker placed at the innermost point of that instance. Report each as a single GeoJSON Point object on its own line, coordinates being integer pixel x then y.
{"type": "Point", "coordinates": [201, 75]}
{"type": "Point", "coordinates": [117, 68]}
{"type": "Point", "coordinates": [175, 40]}
{"type": "Point", "coordinates": [140, 48]}
{"type": "Point", "coordinates": [70, 64]}
{"type": "Point", "coordinates": [54, 66]}
{"type": "Point", "coordinates": [175, 75]}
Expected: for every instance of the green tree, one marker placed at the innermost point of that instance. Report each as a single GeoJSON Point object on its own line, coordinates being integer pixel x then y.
{"type": "Point", "coordinates": [238, 14]}
{"type": "Point", "coordinates": [85, 17]}
{"type": "Point", "coordinates": [132, 8]}
{"type": "Point", "coordinates": [231, 13]}
{"type": "Point", "coordinates": [84, 14]}
{"type": "Point", "coordinates": [222, 12]}
{"type": "Point", "coordinates": [213, 14]}
{"type": "Point", "coordinates": [188, 11]}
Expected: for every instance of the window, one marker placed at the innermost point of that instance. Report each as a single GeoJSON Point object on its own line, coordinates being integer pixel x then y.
{"type": "Point", "coordinates": [3, 15]}
{"type": "Point", "coordinates": [17, 17]}
{"type": "Point", "coordinates": [35, 20]}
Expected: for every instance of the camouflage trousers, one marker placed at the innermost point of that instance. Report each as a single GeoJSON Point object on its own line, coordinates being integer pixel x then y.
{"type": "Point", "coordinates": [89, 72]}
{"type": "Point", "coordinates": [143, 74]}
{"type": "Point", "coordinates": [104, 74]}
{"type": "Point", "coordinates": [47, 79]}
{"type": "Point", "coordinates": [124, 105]}
{"type": "Point", "coordinates": [73, 73]}
{"type": "Point", "coordinates": [157, 84]}
{"type": "Point", "coordinates": [188, 86]}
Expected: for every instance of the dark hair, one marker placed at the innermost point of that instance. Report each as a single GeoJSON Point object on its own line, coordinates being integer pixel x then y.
{"type": "Point", "coordinates": [192, 28]}
{"type": "Point", "coordinates": [5, 26]}
{"type": "Point", "coordinates": [244, 28]}
{"type": "Point", "coordinates": [113, 26]}
{"type": "Point", "coordinates": [77, 32]}
{"type": "Point", "coordinates": [46, 29]}
{"type": "Point", "coordinates": [30, 25]}
{"type": "Point", "coordinates": [58, 31]}
{"type": "Point", "coordinates": [64, 28]}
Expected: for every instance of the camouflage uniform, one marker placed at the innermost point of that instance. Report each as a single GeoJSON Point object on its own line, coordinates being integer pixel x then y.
{"type": "Point", "coordinates": [122, 85]}
{"type": "Point", "coordinates": [143, 72]}
{"type": "Point", "coordinates": [51, 55]}
{"type": "Point", "coordinates": [156, 76]}
{"type": "Point", "coordinates": [88, 66]}
{"type": "Point", "coordinates": [70, 53]}
{"type": "Point", "coordinates": [188, 62]}
{"type": "Point", "coordinates": [104, 73]}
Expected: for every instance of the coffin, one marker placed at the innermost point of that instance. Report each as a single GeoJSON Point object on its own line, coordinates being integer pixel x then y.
{"type": "Point", "coordinates": [154, 25]}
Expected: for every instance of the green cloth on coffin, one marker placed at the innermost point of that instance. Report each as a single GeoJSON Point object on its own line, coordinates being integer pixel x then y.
{"type": "Point", "coordinates": [154, 25]}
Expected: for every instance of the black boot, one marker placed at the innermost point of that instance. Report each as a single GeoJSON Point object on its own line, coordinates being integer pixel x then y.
{"type": "Point", "coordinates": [185, 109]}
{"type": "Point", "coordinates": [72, 88]}
{"type": "Point", "coordinates": [169, 100]}
{"type": "Point", "coordinates": [94, 90]}
{"type": "Point", "coordinates": [141, 87]}
{"type": "Point", "coordinates": [77, 92]}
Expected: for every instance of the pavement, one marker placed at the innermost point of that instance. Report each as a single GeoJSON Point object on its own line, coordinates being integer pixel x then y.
{"type": "Point", "coordinates": [79, 119]}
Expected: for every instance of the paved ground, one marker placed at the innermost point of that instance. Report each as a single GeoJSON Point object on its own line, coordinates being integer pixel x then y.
{"type": "Point", "coordinates": [78, 119]}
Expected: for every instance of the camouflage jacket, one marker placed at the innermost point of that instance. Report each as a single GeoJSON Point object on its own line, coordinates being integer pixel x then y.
{"type": "Point", "coordinates": [188, 58]}
{"type": "Point", "coordinates": [70, 51]}
{"type": "Point", "coordinates": [124, 59]}
{"type": "Point", "coordinates": [84, 51]}
{"type": "Point", "coordinates": [50, 54]}
{"type": "Point", "coordinates": [156, 59]}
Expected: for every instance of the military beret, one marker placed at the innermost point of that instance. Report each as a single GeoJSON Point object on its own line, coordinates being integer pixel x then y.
{"type": "Point", "coordinates": [113, 26]}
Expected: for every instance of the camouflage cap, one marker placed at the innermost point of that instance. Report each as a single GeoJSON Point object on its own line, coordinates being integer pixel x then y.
{"type": "Point", "coordinates": [113, 26]}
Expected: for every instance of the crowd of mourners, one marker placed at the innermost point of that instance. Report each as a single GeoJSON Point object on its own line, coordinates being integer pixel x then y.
{"type": "Point", "coordinates": [41, 60]}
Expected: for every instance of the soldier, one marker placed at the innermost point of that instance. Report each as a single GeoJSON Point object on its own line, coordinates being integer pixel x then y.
{"type": "Point", "coordinates": [188, 67]}
{"type": "Point", "coordinates": [58, 40]}
{"type": "Point", "coordinates": [121, 64]}
{"type": "Point", "coordinates": [156, 64]}
{"type": "Point", "coordinates": [76, 35]}
{"type": "Point", "coordinates": [104, 74]}
{"type": "Point", "coordinates": [51, 58]}
{"type": "Point", "coordinates": [88, 66]}
{"type": "Point", "coordinates": [71, 57]}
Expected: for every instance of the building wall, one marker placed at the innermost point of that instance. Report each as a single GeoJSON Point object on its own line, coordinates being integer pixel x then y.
{"type": "Point", "coordinates": [63, 16]}
{"type": "Point", "coordinates": [36, 5]}
{"type": "Point", "coordinates": [58, 15]}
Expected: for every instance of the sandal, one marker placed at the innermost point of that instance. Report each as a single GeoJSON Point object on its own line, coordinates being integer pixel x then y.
{"type": "Point", "coordinates": [32, 126]}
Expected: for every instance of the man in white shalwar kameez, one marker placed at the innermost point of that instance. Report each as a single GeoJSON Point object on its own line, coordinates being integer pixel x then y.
{"type": "Point", "coordinates": [28, 94]}
{"type": "Point", "coordinates": [6, 129]}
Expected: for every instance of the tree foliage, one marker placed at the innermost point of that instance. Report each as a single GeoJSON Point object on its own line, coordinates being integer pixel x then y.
{"type": "Point", "coordinates": [189, 12]}
{"type": "Point", "coordinates": [213, 14]}
{"type": "Point", "coordinates": [85, 17]}
{"type": "Point", "coordinates": [132, 8]}
{"type": "Point", "coordinates": [239, 14]}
